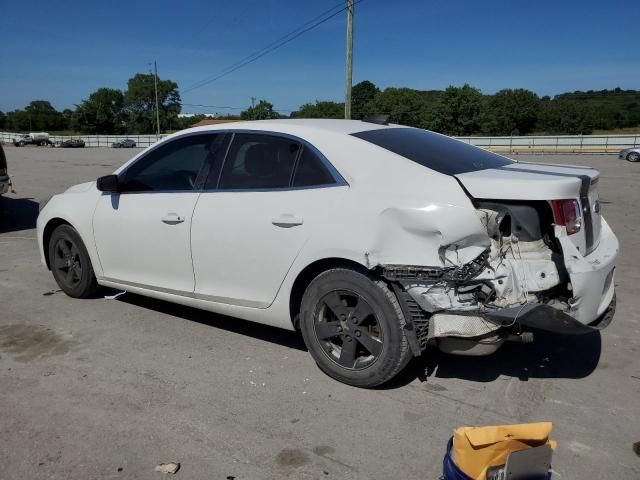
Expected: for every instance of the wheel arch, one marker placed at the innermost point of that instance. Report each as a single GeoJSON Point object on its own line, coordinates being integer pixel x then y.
{"type": "Point", "coordinates": [51, 225]}
{"type": "Point", "coordinates": [311, 271]}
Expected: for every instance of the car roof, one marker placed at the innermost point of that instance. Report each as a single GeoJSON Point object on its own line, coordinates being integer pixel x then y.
{"type": "Point", "coordinates": [294, 125]}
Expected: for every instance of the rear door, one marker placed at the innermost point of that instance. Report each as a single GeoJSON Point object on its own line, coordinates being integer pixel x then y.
{"type": "Point", "coordinates": [255, 216]}
{"type": "Point", "coordinates": [143, 233]}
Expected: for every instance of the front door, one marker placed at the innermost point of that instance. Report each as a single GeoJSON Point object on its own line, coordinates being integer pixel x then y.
{"type": "Point", "coordinates": [142, 234]}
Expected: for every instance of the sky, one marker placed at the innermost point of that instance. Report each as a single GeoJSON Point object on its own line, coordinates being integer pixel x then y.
{"type": "Point", "coordinates": [63, 51]}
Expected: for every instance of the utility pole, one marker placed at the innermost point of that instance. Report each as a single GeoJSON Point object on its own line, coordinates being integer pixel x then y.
{"type": "Point", "coordinates": [155, 81]}
{"type": "Point", "coordinates": [348, 79]}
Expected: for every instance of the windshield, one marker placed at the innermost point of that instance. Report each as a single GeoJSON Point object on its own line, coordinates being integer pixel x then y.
{"type": "Point", "coordinates": [437, 152]}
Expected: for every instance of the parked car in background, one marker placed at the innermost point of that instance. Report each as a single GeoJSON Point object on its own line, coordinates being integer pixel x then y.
{"type": "Point", "coordinates": [373, 240]}
{"type": "Point", "coordinates": [5, 180]}
{"type": "Point", "coordinates": [40, 138]}
{"type": "Point", "coordinates": [631, 154]}
{"type": "Point", "coordinates": [72, 143]}
{"type": "Point", "coordinates": [126, 143]}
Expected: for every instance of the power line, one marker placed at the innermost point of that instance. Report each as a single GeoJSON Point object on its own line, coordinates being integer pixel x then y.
{"type": "Point", "coordinates": [197, 84]}
{"type": "Point", "coordinates": [310, 25]}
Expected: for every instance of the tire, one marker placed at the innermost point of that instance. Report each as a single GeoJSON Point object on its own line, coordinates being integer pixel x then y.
{"type": "Point", "coordinates": [70, 263]}
{"type": "Point", "coordinates": [376, 341]}
{"type": "Point", "coordinates": [633, 157]}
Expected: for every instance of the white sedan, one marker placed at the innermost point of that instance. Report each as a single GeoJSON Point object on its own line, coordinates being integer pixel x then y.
{"type": "Point", "coordinates": [373, 240]}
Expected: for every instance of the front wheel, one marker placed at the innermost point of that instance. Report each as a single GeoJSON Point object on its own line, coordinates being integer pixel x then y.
{"type": "Point", "coordinates": [70, 263]}
{"type": "Point", "coordinates": [633, 157]}
{"type": "Point", "coordinates": [353, 327]}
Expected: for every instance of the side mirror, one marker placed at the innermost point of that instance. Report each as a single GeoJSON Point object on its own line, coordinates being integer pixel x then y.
{"type": "Point", "coordinates": [108, 183]}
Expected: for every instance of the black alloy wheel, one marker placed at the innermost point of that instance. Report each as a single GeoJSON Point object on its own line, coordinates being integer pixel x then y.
{"type": "Point", "coordinates": [67, 262]}
{"type": "Point", "coordinates": [70, 263]}
{"type": "Point", "coordinates": [353, 326]}
{"type": "Point", "coordinates": [348, 330]}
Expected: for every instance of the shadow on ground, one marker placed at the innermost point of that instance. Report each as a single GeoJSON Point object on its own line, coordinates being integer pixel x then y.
{"type": "Point", "coordinates": [550, 356]}
{"type": "Point", "coordinates": [275, 335]}
{"type": "Point", "coordinates": [18, 214]}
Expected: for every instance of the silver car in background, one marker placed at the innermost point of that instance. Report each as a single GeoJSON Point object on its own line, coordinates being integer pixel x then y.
{"type": "Point", "coordinates": [632, 154]}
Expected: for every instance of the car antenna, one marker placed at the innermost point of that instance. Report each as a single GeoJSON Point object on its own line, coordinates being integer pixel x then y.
{"type": "Point", "coordinates": [379, 119]}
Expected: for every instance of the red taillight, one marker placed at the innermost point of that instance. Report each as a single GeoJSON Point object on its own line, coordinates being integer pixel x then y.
{"type": "Point", "coordinates": [567, 213]}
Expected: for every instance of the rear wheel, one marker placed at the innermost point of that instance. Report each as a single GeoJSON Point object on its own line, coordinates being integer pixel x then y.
{"type": "Point", "coordinates": [352, 325]}
{"type": "Point", "coordinates": [633, 157]}
{"type": "Point", "coordinates": [70, 263]}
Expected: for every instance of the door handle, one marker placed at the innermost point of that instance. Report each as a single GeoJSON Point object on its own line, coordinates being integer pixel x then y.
{"type": "Point", "coordinates": [172, 219]}
{"type": "Point", "coordinates": [287, 220]}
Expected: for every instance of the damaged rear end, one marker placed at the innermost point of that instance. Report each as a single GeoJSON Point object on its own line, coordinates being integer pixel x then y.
{"type": "Point", "coordinates": [530, 251]}
{"type": "Point", "coordinates": [547, 263]}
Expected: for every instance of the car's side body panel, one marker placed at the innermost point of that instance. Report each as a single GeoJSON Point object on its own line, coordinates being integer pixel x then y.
{"type": "Point", "coordinates": [144, 238]}
{"type": "Point", "coordinates": [243, 243]}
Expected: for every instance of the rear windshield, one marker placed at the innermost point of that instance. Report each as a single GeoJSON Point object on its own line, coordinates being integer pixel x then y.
{"type": "Point", "coordinates": [437, 152]}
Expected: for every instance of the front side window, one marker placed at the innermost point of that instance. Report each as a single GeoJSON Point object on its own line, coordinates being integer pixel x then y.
{"type": "Point", "coordinates": [174, 166]}
{"type": "Point", "coordinates": [257, 162]}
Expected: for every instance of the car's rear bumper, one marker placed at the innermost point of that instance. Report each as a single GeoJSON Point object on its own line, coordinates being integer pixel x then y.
{"type": "Point", "coordinates": [547, 318]}
{"type": "Point", "coordinates": [593, 286]}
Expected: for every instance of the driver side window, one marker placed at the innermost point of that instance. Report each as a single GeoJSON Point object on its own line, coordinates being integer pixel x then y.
{"type": "Point", "coordinates": [174, 166]}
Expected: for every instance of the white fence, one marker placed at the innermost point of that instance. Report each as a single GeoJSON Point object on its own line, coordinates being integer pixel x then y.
{"type": "Point", "coordinates": [556, 144]}
{"type": "Point", "coordinates": [524, 144]}
{"type": "Point", "coordinates": [91, 140]}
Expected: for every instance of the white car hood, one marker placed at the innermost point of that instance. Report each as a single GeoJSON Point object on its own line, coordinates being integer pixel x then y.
{"type": "Point", "coordinates": [526, 181]}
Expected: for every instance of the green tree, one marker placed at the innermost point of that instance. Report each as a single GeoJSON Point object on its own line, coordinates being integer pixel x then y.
{"type": "Point", "coordinates": [18, 121]}
{"type": "Point", "coordinates": [320, 110]}
{"type": "Point", "coordinates": [511, 112]}
{"type": "Point", "coordinates": [361, 94]}
{"type": "Point", "coordinates": [262, 111]}
{"type": "Point", "coordinates": [101, 113]}
{"type": "Point", "coordinates": [67, 116]}
{"type": "Point", "coordinates": [3, 120]}
{"type": "Point", "coordinates": [403, 105]}
{"type": "Point", "coordinates": [459, 111]}
{"type": "Point", "coordinates": [43, 116]}
{"type": "Point", "coordinates": [140, 104]}
{"type": "Point", "coordinates": [562, 116]}
{"type": "Point", "coordinates": [38, 115]}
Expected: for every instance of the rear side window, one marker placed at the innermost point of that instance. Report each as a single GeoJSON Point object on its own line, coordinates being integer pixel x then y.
{"type": "Point", "coordinates": [434, 151]}
{"type": "Point", "coordinates": [256, 162]}
{"type": "Point", "coordinates": [311, 171]}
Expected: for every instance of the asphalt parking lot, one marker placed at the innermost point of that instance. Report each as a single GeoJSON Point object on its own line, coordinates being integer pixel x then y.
{"type": "Point", "coordinates": [108, 389]}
